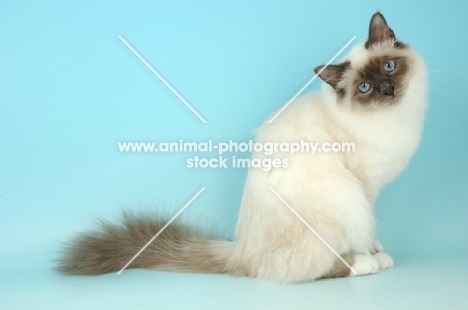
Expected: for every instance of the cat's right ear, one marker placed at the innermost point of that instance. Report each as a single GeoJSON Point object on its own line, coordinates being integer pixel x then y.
{"type": "Point", "coordinates": [379, 31]}
{"type": "Point", "coordinates": [332, 74]}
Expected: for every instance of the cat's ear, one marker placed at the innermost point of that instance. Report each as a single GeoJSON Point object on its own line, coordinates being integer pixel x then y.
{"type": "Point", "coordinates": [332, 74]}
{"type": "Point", "coordinates": [379, 30]}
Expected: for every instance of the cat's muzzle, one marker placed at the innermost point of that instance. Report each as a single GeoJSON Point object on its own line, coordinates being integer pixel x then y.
{"type": "Point", "coordinates": [386, 88]}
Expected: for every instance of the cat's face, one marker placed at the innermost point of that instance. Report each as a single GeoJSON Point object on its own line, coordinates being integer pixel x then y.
{"type": "Point", "coordinates": [375, 74]}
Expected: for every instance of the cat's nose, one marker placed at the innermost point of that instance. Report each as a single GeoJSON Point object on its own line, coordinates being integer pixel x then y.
{"type": "Point", "coordinates": [387, 88]}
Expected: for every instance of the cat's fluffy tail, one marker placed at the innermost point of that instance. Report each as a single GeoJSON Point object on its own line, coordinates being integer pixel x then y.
{"type": "Point", "coordinates": [177, 248]}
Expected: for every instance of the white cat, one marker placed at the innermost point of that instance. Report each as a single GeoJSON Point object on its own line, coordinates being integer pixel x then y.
{"type": "Point", "coordinates": [376, 98]}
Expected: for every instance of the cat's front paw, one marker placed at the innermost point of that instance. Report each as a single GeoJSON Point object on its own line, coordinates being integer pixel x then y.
{"type": "Point", "coordinates": [384, 259]}
{"type": "Point", "coordinates": [365, 264]}
{"type": "Point", "coordinates": [377, 247]}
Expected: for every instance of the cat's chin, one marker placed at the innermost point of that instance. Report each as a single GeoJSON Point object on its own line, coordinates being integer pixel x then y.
{"type": "Point", "coordinates": [378, 105]}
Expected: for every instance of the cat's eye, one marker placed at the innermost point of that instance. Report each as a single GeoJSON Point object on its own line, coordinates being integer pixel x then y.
{"type": "Point", "coordinates": [364, 87]}
{"type": "Point", "coordinates": [389, 65]}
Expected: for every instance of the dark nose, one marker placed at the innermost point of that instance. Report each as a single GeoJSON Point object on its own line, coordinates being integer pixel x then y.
{"type": "Point", "coordinates": [387, 88]}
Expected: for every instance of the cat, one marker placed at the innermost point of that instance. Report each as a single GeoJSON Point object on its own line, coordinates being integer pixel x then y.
{"type": "Point", "coordinates": [376, 98]}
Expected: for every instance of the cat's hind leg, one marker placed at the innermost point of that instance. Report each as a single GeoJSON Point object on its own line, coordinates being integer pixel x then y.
{"type": "Point", "coordinates": [339, 269]}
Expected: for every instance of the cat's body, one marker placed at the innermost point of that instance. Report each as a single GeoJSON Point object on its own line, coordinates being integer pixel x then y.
{"type": "Point", "coordinates": [333, 192]}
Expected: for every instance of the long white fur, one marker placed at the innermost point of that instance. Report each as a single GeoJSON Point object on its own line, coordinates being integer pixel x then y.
{"type": "Point", "coordinates": [333, 192]}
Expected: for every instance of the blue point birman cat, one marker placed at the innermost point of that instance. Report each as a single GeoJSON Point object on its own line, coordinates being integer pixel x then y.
{"type": "Point", "coordinates": [376, 98]}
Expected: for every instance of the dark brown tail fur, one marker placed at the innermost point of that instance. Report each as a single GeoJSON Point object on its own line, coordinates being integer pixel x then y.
{"type": "Point", "coordinates": [177, 248]}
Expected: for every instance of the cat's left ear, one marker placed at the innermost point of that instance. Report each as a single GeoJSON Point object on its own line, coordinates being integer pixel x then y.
{"type": "Point", "coordinates": [379, 30]}
{"type": "Point", "coordinates": [332, 74]}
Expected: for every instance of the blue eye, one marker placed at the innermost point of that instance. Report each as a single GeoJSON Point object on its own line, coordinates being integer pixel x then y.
{"type": "Point", "coordinates": [389, 65]}
{"type": "Point", "coordinates": [364, 87]}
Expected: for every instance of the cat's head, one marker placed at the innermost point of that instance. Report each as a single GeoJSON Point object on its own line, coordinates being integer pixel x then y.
{"type": "Point", "coordinates": [376, 74]}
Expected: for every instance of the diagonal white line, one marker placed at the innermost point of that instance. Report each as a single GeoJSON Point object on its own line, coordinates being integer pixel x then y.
{"type": "Point", "coordinates": [162, 229]}
{"type": "Point", "coordinates": [311, 80]}
{"type": "Point", "coordinates": [162, 80]}
{"type": "Point", "coordinates": [313, 230]}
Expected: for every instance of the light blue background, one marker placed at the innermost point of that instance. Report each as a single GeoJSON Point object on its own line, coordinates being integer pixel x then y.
{"type": "Point", "coordinates": [70, 90]}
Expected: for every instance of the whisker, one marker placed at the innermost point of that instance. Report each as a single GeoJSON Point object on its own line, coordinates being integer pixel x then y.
{"type": "Point", "coordinates": [433, 78]}
{"type": "Point", "coordinates": [443, 92]}
{"type": "Point", "coordinates": [447, 71]}
{"type": "Point", "coordinates": [448, 95]}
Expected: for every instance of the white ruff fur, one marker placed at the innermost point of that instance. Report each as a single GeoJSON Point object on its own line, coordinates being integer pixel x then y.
{"type": "Point", "coordinates": [333, 192]}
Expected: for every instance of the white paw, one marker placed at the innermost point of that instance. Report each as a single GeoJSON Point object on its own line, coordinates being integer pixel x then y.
{"type": "Point", "coordinates": [385, 260]}
{"type": "Point", "coordinates": [377, 246]}
{"type": "Point", "coordinates": [365, 264]}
